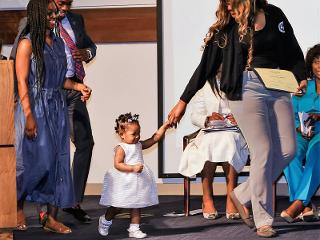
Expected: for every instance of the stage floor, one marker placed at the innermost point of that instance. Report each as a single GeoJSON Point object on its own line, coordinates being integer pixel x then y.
{"type": "Point", "coordinates": [161, 227]}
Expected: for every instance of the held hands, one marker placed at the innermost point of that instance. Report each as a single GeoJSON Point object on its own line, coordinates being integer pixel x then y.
{"type": "Point", "coordinates": [86, 92]}
{"type": "Point", "coordinates": [81, 55]}
{"type": "Point", "coordinates": [31, 127]}
{"type": "Point", "coordinates": [137, 168]}
{"type": "Point", "coordinates": [177, 113]}
{"type": "Point", "coordinates": [161, 131]}
{"type": "Point", "coordinates": [301, 90]}
{"type": "Point", "coordinates": [165, 126]}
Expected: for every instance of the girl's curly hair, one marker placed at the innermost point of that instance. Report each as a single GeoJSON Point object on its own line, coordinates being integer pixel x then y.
{"type": "Point", "coordinates": [313, 53]}
{"type": "Point", "coordinates": [123, 120]}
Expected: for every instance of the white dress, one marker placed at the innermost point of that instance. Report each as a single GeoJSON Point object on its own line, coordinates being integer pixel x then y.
{"type": "Point", "coordinates": [222, 146]}
{"type": "Point", "coordinates": [130, 190]}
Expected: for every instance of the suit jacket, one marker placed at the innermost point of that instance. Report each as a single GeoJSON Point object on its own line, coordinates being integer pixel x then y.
{"type": "Point", "coordinates": [82, 39]}
{"type": "Point", "coordinates": [78, 27]}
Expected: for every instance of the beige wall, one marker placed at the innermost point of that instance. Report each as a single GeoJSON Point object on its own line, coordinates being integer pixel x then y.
{"type": "Point", "coordinates": [124, 79]}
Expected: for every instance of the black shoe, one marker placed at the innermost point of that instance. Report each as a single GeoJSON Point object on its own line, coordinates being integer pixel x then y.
{"type": "Point", "coordinates": [79, 214]}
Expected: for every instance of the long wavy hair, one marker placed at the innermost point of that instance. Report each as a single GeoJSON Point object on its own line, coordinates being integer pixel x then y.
{"type": "Point", "coordinates": [246, 11]}
{"type": "Point", "coordinates": [312, 54]}
{"type": "Point", "coordinates": [223, 18]}
{"type": "Point", "coordinates": [245, 16]}
{"type": "Point", "coordinates": [36, 26]}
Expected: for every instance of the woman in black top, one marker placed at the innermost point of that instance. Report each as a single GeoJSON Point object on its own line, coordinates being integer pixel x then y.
{"type": "Point", "coordinates": [248, 34]}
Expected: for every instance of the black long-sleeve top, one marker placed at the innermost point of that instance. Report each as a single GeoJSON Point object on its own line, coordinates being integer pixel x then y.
{"type": "Point", "coordinates": [275, 46]}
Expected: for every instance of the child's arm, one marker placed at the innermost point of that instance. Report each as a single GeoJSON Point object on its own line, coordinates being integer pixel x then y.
{"type": "Point", "coordinates": [121, 166]}
{"type": "Point", "coordinates": [156, 136]}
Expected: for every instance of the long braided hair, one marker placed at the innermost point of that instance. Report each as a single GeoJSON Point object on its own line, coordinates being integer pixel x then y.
{"type": "Point", "coordinates": [36, 26]}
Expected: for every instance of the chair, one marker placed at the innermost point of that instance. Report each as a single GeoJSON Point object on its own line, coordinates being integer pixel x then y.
{"type": "Point", "coordinates": [186, 181]}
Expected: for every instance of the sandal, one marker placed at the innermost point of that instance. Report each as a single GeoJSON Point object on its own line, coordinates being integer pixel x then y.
{"type": "Point", "coordinates": [311, 215]}
{"type": "Point", "coordinates": [21, 221]}
{"type": "Point", "coordinates": [210, 216]}
{"type": "Point", "coordinates": [266, 231]}
{"type": "Point", "coordinates": [287, 217]}
{"type": "Point", "coordinates": [244, 216]}
{"type": "Point", "coordinates": [233, 216]}
{"type": "Point", "coordinates": [295, 209]}
{"type": "Point", "coordinates": [52, 225]}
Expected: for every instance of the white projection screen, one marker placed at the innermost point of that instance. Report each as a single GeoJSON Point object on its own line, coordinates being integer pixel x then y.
{"type": "Point", "coordinates": [182, 25]}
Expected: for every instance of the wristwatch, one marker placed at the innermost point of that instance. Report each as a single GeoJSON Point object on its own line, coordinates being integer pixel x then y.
{"type": "Point", "coordinates": [89, 53]}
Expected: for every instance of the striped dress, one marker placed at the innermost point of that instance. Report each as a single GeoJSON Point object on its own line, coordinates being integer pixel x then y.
{"type": "Point", "coordinates": [130, 190]}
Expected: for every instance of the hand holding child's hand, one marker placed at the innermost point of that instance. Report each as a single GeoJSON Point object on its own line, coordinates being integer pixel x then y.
{"type": "Point", "coordinates": [167, 125]}
{"type": "Point", "coordinates": [86, 93]}
{"type": "Point", "coordinates": [137, 168]}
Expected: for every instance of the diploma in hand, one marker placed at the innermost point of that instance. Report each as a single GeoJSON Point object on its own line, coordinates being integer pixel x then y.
{"type": "Point", "coordinates": [276, 79]}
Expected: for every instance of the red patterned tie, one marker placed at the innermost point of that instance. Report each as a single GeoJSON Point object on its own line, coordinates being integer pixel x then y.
{"type": "Point", "coordinates": [72, 46]}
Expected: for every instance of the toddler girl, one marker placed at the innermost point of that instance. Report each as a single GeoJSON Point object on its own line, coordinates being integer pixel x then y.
{"type": "Point", "coordinates": [130, 184]}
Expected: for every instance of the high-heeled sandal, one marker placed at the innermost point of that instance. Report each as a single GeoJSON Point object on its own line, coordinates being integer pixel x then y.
{"type": "Point", "coordinates": [21, 221]}
{"type": "Point", "coordinates": [287, 217]}
{"type": "Point", "coordinates": [233, 216]}
{"type": "Point", "coordinates": [310, 216]}
{"type": "Point", "coordinates": [296, 207]}
{"type": "Point", "coordinates": [210, 216]}
{"type": "Point", "coordinates": [52, 225]}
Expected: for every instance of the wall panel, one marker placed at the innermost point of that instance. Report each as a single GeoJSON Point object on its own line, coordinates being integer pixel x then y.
{"type": "Point", "coordinates": [107, 25]}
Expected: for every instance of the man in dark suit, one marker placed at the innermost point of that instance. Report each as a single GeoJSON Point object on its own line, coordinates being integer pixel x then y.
{"type": "Point", "coordinates": [79, 48]}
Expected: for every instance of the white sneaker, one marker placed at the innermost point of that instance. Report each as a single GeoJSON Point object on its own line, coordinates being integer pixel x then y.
{"type": "Point", "coordinates": [137, 233]}
{"type": "Point", "coordinates": [104, 226]}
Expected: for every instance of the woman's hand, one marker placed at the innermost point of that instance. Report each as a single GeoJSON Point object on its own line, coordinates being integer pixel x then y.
{"type": "Point", "coordinates": [315, 116]}
{"type": "Point", "coordinates": [231, 118]}
{"type": "Point", "coordinates": [177, 113]}
{"type": "Point", "coordinates": [215, 116]}
{"type": "Point", "coordinates": [86, 92]}
{"type": "Point", "coordinates": [307, 135]}
{"type": "Point", "coordinates": [301, 90]}
{"type": "Point", "coordinates": [31, 127]}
